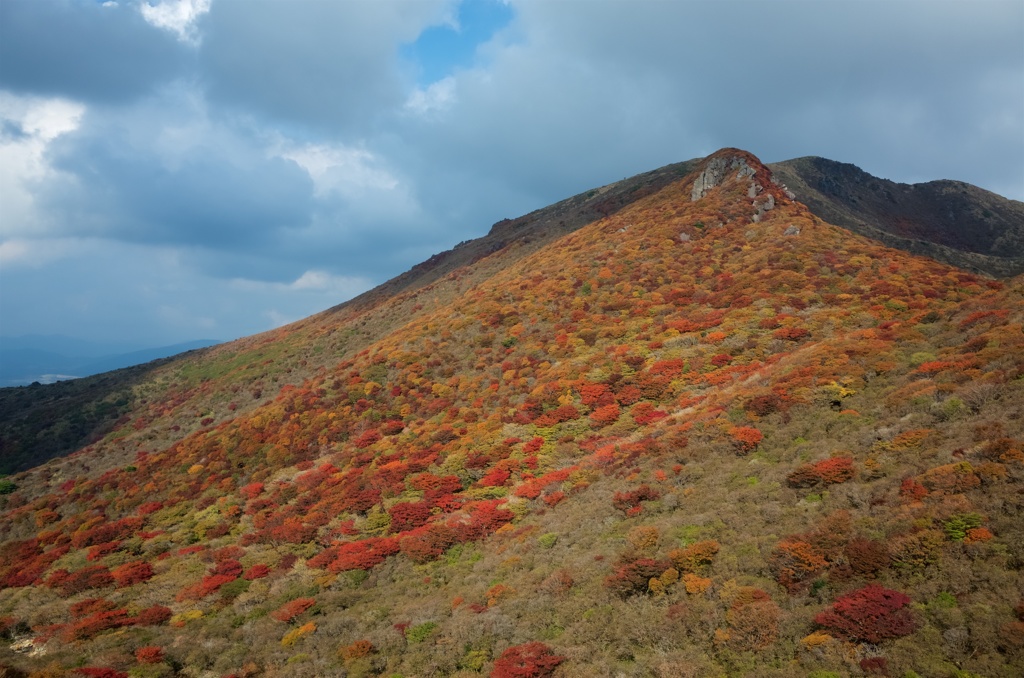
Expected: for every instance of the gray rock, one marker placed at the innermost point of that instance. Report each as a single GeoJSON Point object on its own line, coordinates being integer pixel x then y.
{"type": "Point", "coordinates": [715, 171]}
{"type": "Point", "coordinates": [791, 230]}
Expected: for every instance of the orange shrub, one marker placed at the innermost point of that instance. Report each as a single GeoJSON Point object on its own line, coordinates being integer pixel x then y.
{"type": "Point", "coordinates": [357, 650]}
{"type": "Point", "coordinates": [695, 557]}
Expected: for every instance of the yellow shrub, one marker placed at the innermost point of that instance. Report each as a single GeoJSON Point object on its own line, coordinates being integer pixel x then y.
{"type": "Point", "coordinates": [295, 635]}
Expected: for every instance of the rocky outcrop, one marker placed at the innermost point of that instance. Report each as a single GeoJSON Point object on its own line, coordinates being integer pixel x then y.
{"type": "Point", "coordinates": [716, 169]}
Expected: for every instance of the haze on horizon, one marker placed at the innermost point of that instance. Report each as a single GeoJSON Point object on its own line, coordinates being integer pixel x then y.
{"type": "Point", "coordinates": [206, 168]}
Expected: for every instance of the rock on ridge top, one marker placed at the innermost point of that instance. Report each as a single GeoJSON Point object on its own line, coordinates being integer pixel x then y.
{"type": "Point", "coordinates": [717, 168]}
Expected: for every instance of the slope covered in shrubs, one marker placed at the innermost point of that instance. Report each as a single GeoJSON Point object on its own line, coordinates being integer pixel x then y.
{"type": "Point", "coordinates": [707, 434]}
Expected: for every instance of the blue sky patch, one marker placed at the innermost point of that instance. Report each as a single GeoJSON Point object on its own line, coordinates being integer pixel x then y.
{"type": "Point", "coordinates": [440, 50]}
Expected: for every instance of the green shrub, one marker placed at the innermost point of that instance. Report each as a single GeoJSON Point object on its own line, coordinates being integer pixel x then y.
{"type": "Point", "coordinates": [419, 633]}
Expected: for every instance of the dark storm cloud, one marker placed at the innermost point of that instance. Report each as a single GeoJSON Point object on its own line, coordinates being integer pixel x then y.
{"type": "Point", "coordinates": [202, 196]}
{"type": "Point", "coordinates": [83, 50]}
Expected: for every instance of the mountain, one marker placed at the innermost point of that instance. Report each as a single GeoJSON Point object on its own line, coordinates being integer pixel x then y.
{"type": "Point", "coordinates": [685, 429]}
{"type": "Point", "coordinates": [46, 359]}
{"type": "Point", "coordinates": [951, 221]}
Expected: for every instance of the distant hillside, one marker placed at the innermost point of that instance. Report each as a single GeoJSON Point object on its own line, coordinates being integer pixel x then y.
{"type": "Point", "coordinates": [706, 433]}
{"type": "Point", "coordinates": [950, 221]}
{"type": "Point", "coordinates": [24, 360]}
{"type": "Point", "coordinates": [40, 421]}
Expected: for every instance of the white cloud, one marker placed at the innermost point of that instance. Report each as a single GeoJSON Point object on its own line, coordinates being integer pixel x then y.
{"type": "Point", "coordinates": [436, 98]}
{"type": "Point", "coordinates": [27, 127]}
{"type": "Point", "coordinates": [335, 168]}
{"type": "Point", "coordinates": [177, 16]}
{"type": "Point", "coordinates": [321, 282]}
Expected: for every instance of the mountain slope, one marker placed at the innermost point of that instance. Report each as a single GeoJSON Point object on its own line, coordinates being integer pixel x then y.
{"type": "Point", "coordinates": [695, 437]}
{"type": "Point", "coordinates": [950, 221]}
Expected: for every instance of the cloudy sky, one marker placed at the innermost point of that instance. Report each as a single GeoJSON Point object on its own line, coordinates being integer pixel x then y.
{"type": "Point", "coordinates": [182, 169]}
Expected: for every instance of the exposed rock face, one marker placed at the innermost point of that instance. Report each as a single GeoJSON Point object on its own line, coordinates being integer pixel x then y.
{"type": "Point", "coordinates": [761, 187]}
{"type": "Point", "coordinates": [715, 171]}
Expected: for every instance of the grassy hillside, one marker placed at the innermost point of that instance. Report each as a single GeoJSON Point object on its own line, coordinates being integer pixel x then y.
{"type": "Point", "coordinates": [697, 437]}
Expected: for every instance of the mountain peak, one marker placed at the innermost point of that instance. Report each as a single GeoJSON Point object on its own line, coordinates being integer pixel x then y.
{"type": "Point", "coordinates": [734, 165]}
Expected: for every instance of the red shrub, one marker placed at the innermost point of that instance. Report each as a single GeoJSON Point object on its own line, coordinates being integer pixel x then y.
{"type": "Point", "coordinates": [479, 520]}
{"type": "Point", "coordinates": [101, 550]}
{"type": "Point", "coordinates": [912, 490]}
{"type": "Point", "coordinates": [149, 655]}
{"type": "Point", "coordinates": [132, 573]}
{"type": "Point", "coordinates": [828, 471]}
{"type": "Point", "coordinates": [409, 515]}
{"type": "Point", "coordinates": [426, 544]}
{"type": "Point", "coordinates": [292, 609]}
{"type": "Point", "coordinates": [644, 413]}
{"type": "Point", "coordinates": [871, 614]}
{"type": "Point", "coordinates": [360, 648]}
{"type": "Point", "coordinates": [532, 660]}
{"type": "Point", "coordinates": [763, 405]}
{"type": "Point", "coordinates": [392, 427]}
{"type": "Point", "coordinates": [93, 672]}
{"type": "Point", "coordinates": [791, 333]}
{"type": "Point", "coordinates": [835, 470]}
{"type": "Point", "coordinates": [554, 498]}
{"type": "Point", "coordinates": [257, 571]}
{"type": "Point", "coordinates": [364, 554]}
{"type": "Point", "coordinates": [228, 568]}
{"type": "Point", "coordinates": [624, 501]}
{"type": "Point", "coordinates": [70, 583]}
{"type": "Point", "coordinates": [557, 416]}
{"type": "Point", "coordinates": [152, 616]}
{"type": "Point", "coordinates": [604, 415]}
{"type": "Point", "coordinates": [596, 395]}
{"type": "Point", "coordinates": [866, 556]}
{"type": "Point", "coordinates": [367, 438]}
{"type": "Point", "coordinates": [632, 578]}
{"type": "Point", "coordinates": [746, 438]}
{"type": "Point", "coordinates": [803, 476]}
{"type": "Point", "coordinates": [228, 553]}
{"type": "Point", "coordinates": [209, 584]}
{"type": "Point", "coordinates": [87, 627]}
{"type": "Point", "coordinates": [119, 529]}
{"type": "Point", "coordinates": [84, 608]}
{"type": "Point", "coordinates": [251, 491]}
{"type": "Point", "coordinates": [721, 359]}
{"type": "Point", "coordinates": [874, 666]}
{"type": "Point", "coordinates": [533, 445]}
{"type": "Point", "coordinates": [496, 478]}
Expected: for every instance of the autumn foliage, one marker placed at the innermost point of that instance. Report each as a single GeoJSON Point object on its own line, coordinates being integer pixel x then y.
{"type": "Point", "coordinates": [871, 614]}
{"type": "Point", "coordinates": [546, 424]}
{"type": "Point", "coordinates": [532, 660]}
{"type": "Point", "coordinates": [292, 609]}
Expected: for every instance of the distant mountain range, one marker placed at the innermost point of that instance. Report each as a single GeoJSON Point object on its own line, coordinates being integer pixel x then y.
{"type": "Point", "coordinates": [50, 358]}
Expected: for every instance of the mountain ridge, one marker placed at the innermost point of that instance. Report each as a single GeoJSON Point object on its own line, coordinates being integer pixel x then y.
{"type": "Point", "coordinates": [685, 439]}
{"type": "Point", "coordinates": [951, 221]}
